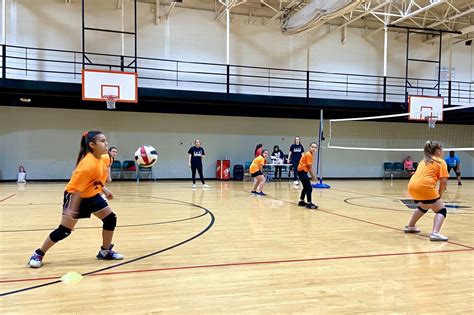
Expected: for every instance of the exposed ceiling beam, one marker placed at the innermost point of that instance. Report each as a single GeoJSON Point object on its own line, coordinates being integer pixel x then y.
{"type": "Point", "coordinates": [464, 40]}
{"type": "Point", "coordinates": [409, 15]}
{"type": "Point", "coordinates": [170, 8]}
{"type": "Point", "coordinates": [157, 12]}
{"type": "Point", "coordinates": [280, 13]}
{"type": "Point", "coordinates": [464, 31]}
{"type": "Point", "coordinates": [269, 6]}
{"type": "Point", "coordinates": [371, 11]}
{"type": "Point", "coordinates": [452, 17]}
{"type": "Point", "coordinates": [228, 4]}
{"type": "Point", "coordinates": [454, 8]}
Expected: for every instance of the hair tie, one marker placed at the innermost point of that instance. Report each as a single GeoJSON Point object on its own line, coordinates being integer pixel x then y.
{"type": "Point", "coordinates": [84, 134]}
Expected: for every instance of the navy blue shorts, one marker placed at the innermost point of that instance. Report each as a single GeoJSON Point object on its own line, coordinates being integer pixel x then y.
{"type": "Point", "coordinates": [455, 168]}
{"type": "Point", "coordinates": [87, 206]}
{"type": "Point", "coordinates": [427, 202]}
{"type": "Point", "coordinates": [257, 173]}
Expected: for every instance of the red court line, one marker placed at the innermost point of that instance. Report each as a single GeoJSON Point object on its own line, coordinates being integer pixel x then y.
{"type": "Point", "coordinates": [246, 264]}
{"type": "Point", "coordinates": [386, 226]}
{"type": "Point", "coordinates": [372, 223]}
{"type": "Point", "coordinates": [8, 197]}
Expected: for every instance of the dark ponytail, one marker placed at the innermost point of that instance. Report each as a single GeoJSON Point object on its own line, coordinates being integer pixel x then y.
{"type": "Point", "coordinates": [258, 147]}
{"type": "Point", "coordinates": [87, 137]}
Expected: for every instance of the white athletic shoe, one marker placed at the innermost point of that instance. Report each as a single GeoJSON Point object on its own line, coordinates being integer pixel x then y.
{"type": "Point", "coordinates": [438, 237]}
{"type": "Point", "coordinates": [194, 185]}
{"type": "Point", "coordinates": [206, 186]}
{"type": "Point", "coordinates": [411, 229]}
{"type": "Point", "coordinates": [109, 254]}
{"type": "Point", "coordinates": [296, 182]}
{"type": "Point", "coordinates": [36, 260]}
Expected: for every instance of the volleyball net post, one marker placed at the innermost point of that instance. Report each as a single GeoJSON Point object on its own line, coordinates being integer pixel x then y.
{"type": "Point", "coordinates": [319, 172]}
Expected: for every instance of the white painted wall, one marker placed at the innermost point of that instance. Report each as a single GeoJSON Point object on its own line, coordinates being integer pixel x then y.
{"type": "Point", "coordinates": [46, 141]}
{"type": "Point", "coordinates": [194, 35]}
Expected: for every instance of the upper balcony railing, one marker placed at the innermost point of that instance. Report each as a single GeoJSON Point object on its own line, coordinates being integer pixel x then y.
{"type": "Point", "coordinates": [55, 65]}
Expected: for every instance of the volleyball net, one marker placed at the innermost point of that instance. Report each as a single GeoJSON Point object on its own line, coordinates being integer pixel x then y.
{"type": "Point", "coordinates": [392, 133]}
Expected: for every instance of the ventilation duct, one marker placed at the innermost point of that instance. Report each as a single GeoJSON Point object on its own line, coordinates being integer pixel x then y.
{"type": "Point", "coordinates": [316, 13]}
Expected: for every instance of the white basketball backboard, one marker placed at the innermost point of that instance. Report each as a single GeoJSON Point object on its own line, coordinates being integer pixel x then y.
{"type": "Point", "coordinates": [97, 84]}
{"type": "Point", "coordinates": [422, 107]}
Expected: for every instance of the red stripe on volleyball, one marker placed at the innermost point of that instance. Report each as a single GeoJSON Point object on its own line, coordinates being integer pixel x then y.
{"type": "Point", "coordinates": [144, 155]}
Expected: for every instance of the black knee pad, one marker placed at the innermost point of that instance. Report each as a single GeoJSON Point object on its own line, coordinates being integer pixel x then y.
{"type": "Point", "coordinates": [422, 210]}
{"type": "Point", "coordinates": [110, 222]}
{"type": "Point", "coordinates": [60, 233]}
{"type": "Point", "coordinates": [458, 173]}
{"type": "Point", "coordinates": [443, 212]}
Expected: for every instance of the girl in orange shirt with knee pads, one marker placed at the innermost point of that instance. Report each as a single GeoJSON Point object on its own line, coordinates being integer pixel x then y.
{"type": "Point", "coordinates": [305, 166]}
{"type": "Point", "coordinates": [82, 197]}
{"type": "Point", "coordinates": [256, 171]}
{"type": "Point", "coordinates": [422, 187]}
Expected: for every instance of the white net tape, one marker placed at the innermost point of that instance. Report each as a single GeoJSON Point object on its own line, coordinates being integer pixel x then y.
{"type": "Point", "coordinates": [110, 100]}
{"type": "Point", "coordinates": [391, 133]}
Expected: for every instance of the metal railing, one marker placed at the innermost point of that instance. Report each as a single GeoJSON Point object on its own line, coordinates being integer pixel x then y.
{"type": "Point", "coordinates": [54, 65]}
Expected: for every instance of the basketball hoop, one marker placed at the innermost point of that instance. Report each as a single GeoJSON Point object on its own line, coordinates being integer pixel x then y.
{"type": "Point", "coordinates": [431, 121]}
{"type": "Point", "coordinates": [110, 100]}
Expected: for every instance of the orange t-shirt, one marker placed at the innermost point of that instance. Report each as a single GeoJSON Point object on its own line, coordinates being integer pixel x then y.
{"type": "Point", "coordinates": [256, 164]}
{"type": "Point", "coordinates": [306, 162]}
{"type": "Point", "coordinates": [89, 176]}
{"type": "Point", "coordinates": [107, 159]}
{"type": "Point", "coordinates": [422, 185]}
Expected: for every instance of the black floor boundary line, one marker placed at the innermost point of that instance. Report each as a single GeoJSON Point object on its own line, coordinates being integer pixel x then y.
{"type": "Point", "coordinates": [364, 221]}
{"type": "Point", "coordinates": [206, 211]}
{"type": "Point", "coordinates": [118, 226]}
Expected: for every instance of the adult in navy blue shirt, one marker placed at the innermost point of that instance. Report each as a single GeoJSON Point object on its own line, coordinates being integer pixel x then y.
{"type": "Point", "coordinates": [196, 154]}
{"type": "Point", "coordinates": [454, 163]}
{"type": "Point", "coordinates": [294, 156]}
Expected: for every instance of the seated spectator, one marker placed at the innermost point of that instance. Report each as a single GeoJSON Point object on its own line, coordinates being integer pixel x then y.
{"type": "Point", "coordinates": [408, 165]}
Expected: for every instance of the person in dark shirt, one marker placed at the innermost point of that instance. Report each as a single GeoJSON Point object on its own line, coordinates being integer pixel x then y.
{"type": "Point", "coordinates": [277, 157]}
{"type": "Point", "coordinates": [196, 154]}
{"type": "Point", "coordinates": [294, 156]}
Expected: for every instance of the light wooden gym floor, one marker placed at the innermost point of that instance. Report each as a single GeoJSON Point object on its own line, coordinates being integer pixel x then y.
{"type": "Point", "coordinates": [223, 251]}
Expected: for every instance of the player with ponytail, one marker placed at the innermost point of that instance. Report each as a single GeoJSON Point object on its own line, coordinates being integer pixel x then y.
{"type": "Point", "coordinates": [82, 197]}
{"type": "Point", "coordinates": [422, 187]}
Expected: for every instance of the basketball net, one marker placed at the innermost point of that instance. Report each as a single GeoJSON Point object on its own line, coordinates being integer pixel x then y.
{"type": "Point", "coordinates": [431, 121]}
{"type": "Point", "coordinates": [110, 100]}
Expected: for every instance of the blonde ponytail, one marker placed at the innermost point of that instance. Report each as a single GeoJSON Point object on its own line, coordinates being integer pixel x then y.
{"type": "Point", "coordinates": [430, 149]}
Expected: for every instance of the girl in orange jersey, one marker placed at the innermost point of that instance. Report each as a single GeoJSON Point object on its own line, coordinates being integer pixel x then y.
{"type": "Point", "coordinates": [305, 166]}
{"type": "Point", "coordinates": [422, 187]}
{"type": "Point", "coordinates": [256, 171]}
{"type": "Point", "coordinates": [82, 198]}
